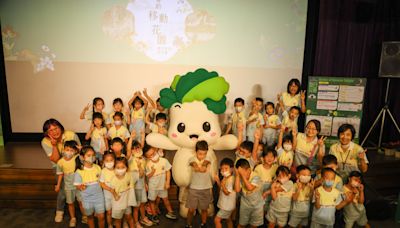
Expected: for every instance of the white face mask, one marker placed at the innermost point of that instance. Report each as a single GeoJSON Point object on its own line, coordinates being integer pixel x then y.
{"type": "Point", "coordinates": [90, 159]}
{"type": "Point", "coordinates": [68, 155]}
{"type": "Point", "coordinates": [239, 108]}
{"type": "Point", "coordinates": [304, 179]}
{"type": "Point", "coordinates": [118, 123]}
{"type": "Point", "coordinates": [120, 172]}
{"type": "Point", "coordinates": [283, 180]}
{"type": "Point", "coordinates": [226, 174]}
{"type": "Point", "coordinates": [109, 165]}
{"type": "Point", "coordinates": [155, 157]}
{"type": "Point", "coordinates": [287, 147]}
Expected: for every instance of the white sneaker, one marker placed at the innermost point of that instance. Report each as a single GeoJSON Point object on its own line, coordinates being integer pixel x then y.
{"type": "Point", "coordinates": [84, 219]}
{"type": "Point", "coordinates": [59, 216]}
{"type": "Point", "coordinates": [72, 222]}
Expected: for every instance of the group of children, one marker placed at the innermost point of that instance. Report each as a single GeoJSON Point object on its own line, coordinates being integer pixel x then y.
{"type": "Point", "coordinates": [121, 178]}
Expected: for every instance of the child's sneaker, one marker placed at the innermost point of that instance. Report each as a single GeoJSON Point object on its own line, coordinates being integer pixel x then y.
{"type": "Point", "coordinates": [72, 222]}
{"type": "Point", "coordinates": [171, 215]}
{"type": "Point", "coordinates": [84, 219]}
{"type": "Point", "coordinates": [188, 226]}
{"type": "Point", "coordinates": [145, 221]}
{"type": "Point", "coordinates": [154, 219]}
{"type": "Point", "coordinates": [59, 216]}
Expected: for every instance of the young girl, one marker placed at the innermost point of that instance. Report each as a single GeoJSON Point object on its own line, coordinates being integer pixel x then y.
{"type": "Point", "coordinates": [97, 106]}
{"type": "Point", "coordinates": [137, 165]}
{"type": "Point", "coordinates": [285, 148]}
{"type": "Point", "coordinates": [87, 182]}
{"type": "Point", "coordinates": [122, 183]}
{"type": "Point", "coordinates": [289, 119]}
{"type": "Point", "coordinates": [255, 119]}
{"type": "Point", "coordinates": [292, 97]}
{"type": "Point", "coordinates": [138, 105]}
{"type": "Point", "coordinates": [118, 106]}
{"type": "Point", "coordinates": [118, 129]}
{"type": "Point", "coordinates": [272, 124]}
{"type": "Point", "coordinates": [65, 172]}
{"type": "Point", "coordinates": [281, 193]}
{"type": "Point", "coordinates": [106, 175]}
{"type": "Point", "coordinates": [98, 135]}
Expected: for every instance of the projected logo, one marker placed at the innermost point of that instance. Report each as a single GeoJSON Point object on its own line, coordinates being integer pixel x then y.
{"type": "Point", "coordinates": [159, 28]}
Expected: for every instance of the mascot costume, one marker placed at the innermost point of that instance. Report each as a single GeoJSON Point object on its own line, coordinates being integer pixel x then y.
{"type": "Point", "coordinates": [194, 102]}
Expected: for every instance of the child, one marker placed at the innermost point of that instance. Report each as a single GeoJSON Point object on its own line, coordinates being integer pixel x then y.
{"type": "Point", "coordinates": [327, 200]}
{"type": "Point", "coordinates": [158, 173]}
{"type": "Point", "coordinates": [86, 181]}
{"type": "Point", "coordinates": [137, 165]}
{"type": "Point", "coordinates": [255, 119]}
{"type": "Point", "coordinates": [289, 119]}
{"type": "Point", "coordinates": [227, 195]}
{"type": "Point", "coordinates": [106, 175]}
{"type": "Point", "coordinates": [118, 106]}
{"type": "Point", "coordinates": [122, 183]}
{"type": "Point", "coordinates": [160, 124]}
{"type": "Point", "coordinates": [272, 124]}
{"type": "Point", "coordinates": [330, 161]}
{"type": "Point", "coordinates": [97, 106]}
{"type": "Point", "coordinates": [303, 191]}
{"type": "Point", "coordinates": [117, 147]}
{"type": "Point", "coordinates": [281, 193]}
{"type": "Point", "coordinates": [65, 172]}
{"type": "Point", "coordinates": [118, 130]}
{"type": "Point", "coordinates": [285, 148]}
{"type": "Point", "coordinates": [354, 211]}
{"type": "Point", "coordinates": [251, 201]}
{"type": "Point", "coordinates": [138, 105]}
{"type": "Point", "coordinates": [200, 187]}
{"type": "Point", "coordinates": [237, 117]}
{"type": "Point", "coordinates": [266, 171]}
{"type": "Point", "coordinates": [246, 151]}
{"type": "Point", "coordinates": [98, 136]}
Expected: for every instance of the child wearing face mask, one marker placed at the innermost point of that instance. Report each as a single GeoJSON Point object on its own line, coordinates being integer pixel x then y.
{"type": "Point", "coordinates": [285, 148]}
{"type": "Point", "coordinates": [138, 105]}
{"type": "Point", "coordinates": [65, 171]}
{"type": "Point", "coordinates": [303, 190]}
{"type": "Point", "coordinates": [227, 195]}
{"type": "Point", "coordinates": [327, 200]}
{"type": "Point", "coordinates": [97, 106]}
{"type": "Point", "coordinates": [106, 175]}
{"type": "Point", "coordinates": [118, 130]}
{"type": "Point", "coordinates": [238, 116]}
{"type": "Point", "coordinates": [272, 124]}
{"type": "Point", "coordinates": [122, 183]}
{"type": "Point", "coordinates": [98, 136]}
{"type": "Point", "coordinates": [354, 211]}
{"type": "Point", "coordinates": [86, 180]}
{"type": "Point", "coordinates": [255, 119]}
{"type": "Point", "coordinates": [281, 193]}
{"type": "Point", "coordinates": [330, 161]}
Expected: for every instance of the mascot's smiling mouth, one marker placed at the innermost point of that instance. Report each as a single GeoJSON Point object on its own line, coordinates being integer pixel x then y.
{"type": "Point", "coordinates": [194, 136]}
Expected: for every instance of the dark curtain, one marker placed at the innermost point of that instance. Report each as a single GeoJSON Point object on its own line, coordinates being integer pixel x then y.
{"type": "Point", "coordinates": [348, 44]}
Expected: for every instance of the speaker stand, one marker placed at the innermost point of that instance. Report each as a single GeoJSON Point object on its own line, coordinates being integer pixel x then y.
{"type": "Point", "coordinates": [385, 110]}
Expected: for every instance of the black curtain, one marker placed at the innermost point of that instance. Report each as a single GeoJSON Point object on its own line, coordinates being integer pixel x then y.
{"type": "Point", "coordinates": [348, 44]}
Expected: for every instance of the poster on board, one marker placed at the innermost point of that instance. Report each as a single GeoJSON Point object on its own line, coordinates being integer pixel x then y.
{"type": "Point", "coordinates": [335, 101]}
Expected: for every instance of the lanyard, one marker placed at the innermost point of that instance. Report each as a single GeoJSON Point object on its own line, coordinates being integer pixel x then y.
{"type": "Point", "coordinates": [341, 156]}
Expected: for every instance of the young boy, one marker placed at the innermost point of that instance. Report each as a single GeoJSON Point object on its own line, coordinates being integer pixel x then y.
{"type": "Point", "coordinates": [281, 193]}
{"type": "Point", "coordinates": [237, 117]}
{"type": "Point", "coordinates": [330, 161]}
{"type": "Point", "coordinates": [251, 201]}
{"type": "Point", "coordinates": [327, 200]}
{"type": "Point", "coordinates": [118, 130]}
{"type": "Point", "coordinates": [289, 120]}
{"type": "Point", "coordinates": [255, 120]}
{"type": "Point", "coordinates": [160, 124]}
{"type": "Point", "coordinates": [117, 146]}
{"type": "Point", "coordinates": [158, 173]}
{"type": "Point", "coordinates": [200, 187]}
{"type": "Point", "coordinates": [303, 191]}
{"type": "Point", "coordinates": [272, 124]}
{"type": "Point", "coordinates": [246, 151]}
{"type": "Point", "coordinates": [354, 211]}
{"type": "Point", "coordinates": [227, 196]}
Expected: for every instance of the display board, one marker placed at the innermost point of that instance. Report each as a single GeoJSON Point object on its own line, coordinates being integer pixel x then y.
{"type": "Point", "coordinates": [335, 101]}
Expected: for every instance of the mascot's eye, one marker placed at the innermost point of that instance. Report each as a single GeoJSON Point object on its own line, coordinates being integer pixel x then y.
{"type": "Point", "coordinates": [181, 127]}
{"type": "Point", "coordinates": [206, 126]}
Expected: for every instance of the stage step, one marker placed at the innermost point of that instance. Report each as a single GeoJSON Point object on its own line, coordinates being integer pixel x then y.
{"type": "Point", "coordinates": [34, 188]}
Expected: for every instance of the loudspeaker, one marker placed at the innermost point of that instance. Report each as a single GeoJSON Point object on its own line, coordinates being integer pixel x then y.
{"type": "Point", "coordinates": [390, 60]}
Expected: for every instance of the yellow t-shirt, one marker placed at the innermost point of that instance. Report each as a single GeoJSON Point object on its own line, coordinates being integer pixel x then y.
{"type": "Point", "coordinates": [304, 147]}
{"type": "Point", "coordinates": [304, 194]}
{"type": "Point", "coordinates": [328, 199]}
{"type": "Point", "coordinates": [66, 136]}
{"type": "Point", "coordinates": [122, 132]}
{"type": "Point", "coordinates": [138, 114]}
{"type": "Point", "coordinates": [123, 184]}
{"type": "Point", "coordinates": [266, 175]}
{"type": "Point", "coordinates": [254, 180]}
{"type": "Point", "coordinates": [67, 167]}
{"type": "Point", "coordinates": [90, 175]}
{"type": "Point", "coordinates": [288, 123]}
{"type": "Point", "coordinates": [289, 100]}
{"type": "Point", "coordinates": [285, 158]}
{"type": "Point", "coordinates": [99, 133]}
{"type": "Point", "coordinates": [259, 120]}
{"type": "Point", "coordinates": [273, 120]}
{"type": "Point", "coordinates": [111, 118]}
{"type": "Point", "coordinates": [348, 157]}
{"type": "Point", "coordinates": [106, 175]}
{"type": "Point", "coordinates": [161, 166]}
{"type": "Point", "coordinates": [133, 163]}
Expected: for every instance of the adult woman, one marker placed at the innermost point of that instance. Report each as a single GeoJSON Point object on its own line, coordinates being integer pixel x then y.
{"type": "Point", "coordinates": [309, 150]}
{"type": "Point", "coordinates": [350, 156]}
{"type": "Point", "coordinates": [292, 97]}
{"type": "Point", "coordinates": [53, 145]}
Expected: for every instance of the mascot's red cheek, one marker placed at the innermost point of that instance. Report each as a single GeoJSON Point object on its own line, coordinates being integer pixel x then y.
{"type": "Point", "coordinates": [174, 135]}
{"type": "Point", "coordinates": [213, 134]}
